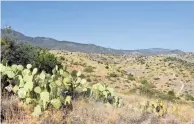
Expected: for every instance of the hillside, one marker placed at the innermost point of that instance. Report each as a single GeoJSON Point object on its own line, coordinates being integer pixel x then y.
{"type": "Point", "coordinates": [166, 73]}
{"type": "Point", "coordinates": [165, 77]}
{"type": "Point", "coordinates": [54, 44]}
{"type": "Point", "coordinates": [123, 62]}
{"type": "Point", "coordinates": [140, 82]}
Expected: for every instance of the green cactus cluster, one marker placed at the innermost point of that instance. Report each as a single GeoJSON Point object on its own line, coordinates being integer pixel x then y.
{"type": "Point", "coordinates": [161, 109]}
{"type": "Point", "coordinates": [42, 89]}
{"type": "Point", "coordinates": [158, 107]}
{"type": "Point", "coordinates": [106, 94]}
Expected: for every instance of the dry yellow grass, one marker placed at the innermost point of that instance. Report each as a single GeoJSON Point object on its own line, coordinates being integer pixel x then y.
{"type": "Point", "coordinates": [90, 112]}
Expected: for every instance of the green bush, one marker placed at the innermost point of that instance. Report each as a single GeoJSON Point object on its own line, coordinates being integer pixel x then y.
{"type": "Point", "coordinates": [82, 76]}
{"type": "Point", "coordinates": [157, 78]}
{"type": "Point", "coordinates": [89, 69]}
{"type": "Point", "coordinates": [13, 52]}
{"type": "Point", "coordinates": [113, 75]}
{"type": "Point", "coordinates": [147, 85]}
{"type": "Point", "coordinates": [131, 77]}
{"type": "Point", "coordinates": [74, 73]}
{"type": "Point", "coordinates": [47, 61]}
{"type": "Point", "coordinates": [18, 53]}
{"type": "Point", "coordinates": [62, 58]}
{"type": "Point", "coordinates": [171, 93]}
{"type": "Point", "coordinates": [144, 81]}
{"type": "Point", "coordinates": [76, 63]}
{"type": "Point", "coordinates": [146, 91]}
{"type": "Point", "coordinates": [89, 80]}
{"type": "Point", "coordinates": [189, 97]}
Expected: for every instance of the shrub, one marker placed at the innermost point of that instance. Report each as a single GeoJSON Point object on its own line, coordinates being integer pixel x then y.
{"type": "Point", "coordinates": [89, 80]}
{"type": "Point", "coordinates": [62, 58]}
{"type": "Point", "coordinates": [189, 97]}
{"type": "Point", "coordinates": [144, 81]}
{"type": "Point", "coordinates": [18, 53]}
{"type": "Point", "coordinates": [47, 61]}
{"type": "Point", "coordinates": [146, 87]}
{"type": "Point", "coordinates": [99, 62]}
{"type": "Point", "coordinates": [76, 63]}
{"type": "Point", "coordinates": [171, 93]}
{"type": "Point", "coordinates": [157, 78]}
{"type": "Point", "coordinates": [89, 69]}
{"type": "Point", "coordinates": [13, 52]}
{"type": "Point", "coordinates": [113, 74]}
{"type": "Point", "coordinates": [146, 91]}
{"type": "Point", "coordinates": [82, 76]}
{"type": "Point", "coordinates": [74, 73]}
{"type": "Point", "coordinates": [131, 77]}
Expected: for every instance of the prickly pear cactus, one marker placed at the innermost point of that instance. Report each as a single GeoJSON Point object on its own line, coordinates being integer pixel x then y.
{"type": "Point", "coordinates": [42, 75]}
{"type": "Point", "coordinates": [22, 93]}
{"type": "Point", "coordinates": [56, 103]}
{"type": "Point", "coordinates": [44, 96]}
{"type": "Point", "coordinates": [106, 94]}
{"type": "Point", "coordinates": [15, 89]}
{"type": "Point", "coordinates": [20, 67]}
{"type": "Point", "coordinates": [42, 89]}
{"type": "Point", "coordinates": [10, 74]}
{"type": "Point", "coordinates": [158, 107]}
{"type": "Point", "coordinates": [37, 111]}
{"type": "Point", "coordinates": [68, 100]}
{"type": "Point", "coordinates": [35, 70]}
{"type": "Point", "coordinates": [37, 90]}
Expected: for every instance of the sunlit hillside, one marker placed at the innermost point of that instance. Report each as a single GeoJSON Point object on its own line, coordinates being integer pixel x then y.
{"type": "Point", "coordinates": [97, 62]}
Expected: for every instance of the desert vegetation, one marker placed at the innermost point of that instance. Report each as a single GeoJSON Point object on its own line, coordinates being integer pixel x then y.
{"type": "Point", "coordinates": [54, 86]}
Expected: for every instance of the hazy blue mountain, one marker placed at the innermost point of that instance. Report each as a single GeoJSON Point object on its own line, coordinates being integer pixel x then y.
{"type": "Point", "coordinates": [51, 43]}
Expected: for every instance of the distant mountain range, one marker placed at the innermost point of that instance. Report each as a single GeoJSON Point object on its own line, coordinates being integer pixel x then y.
{"type": "Point", "coordinates": [54, 44]}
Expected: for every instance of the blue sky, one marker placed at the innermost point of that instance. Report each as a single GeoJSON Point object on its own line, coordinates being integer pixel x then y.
{"type": "Point", "coordinates": [120, 25]}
